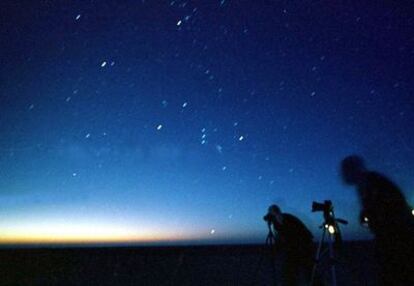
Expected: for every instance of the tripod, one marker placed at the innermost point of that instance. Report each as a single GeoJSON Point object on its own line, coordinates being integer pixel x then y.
{"type": "Point", "coordinates": [270, 239]}
{"type": "Point", "coordinates": [270, 246]}
{"type": "Point", "coordinates": [322, 252]}
{"type": "Point", "coordinates": [330, 225]}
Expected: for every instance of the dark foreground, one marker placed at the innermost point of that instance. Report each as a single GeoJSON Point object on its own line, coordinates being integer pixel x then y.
{"type": "Point", "coordinates": [196, 265]}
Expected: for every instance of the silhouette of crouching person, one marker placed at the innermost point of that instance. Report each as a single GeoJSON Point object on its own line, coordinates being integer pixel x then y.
{"type": "Point", "coordinates": [295, 245]}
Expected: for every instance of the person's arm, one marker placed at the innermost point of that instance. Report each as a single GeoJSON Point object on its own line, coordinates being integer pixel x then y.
{"type": "Point", "coordinates": [363, 218]}
{"type": "Point", "coordinates": [277, 240]}
{"type": "Point", "coordinates": [370, 203]}
{"type": "Point", "coordinates": [379, 205]}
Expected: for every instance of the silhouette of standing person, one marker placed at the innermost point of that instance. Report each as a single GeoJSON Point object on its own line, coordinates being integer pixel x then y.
{"type": "Point", "coordinates": [294, 241]}
{"type": "Point", "coordinates": [388, 216]}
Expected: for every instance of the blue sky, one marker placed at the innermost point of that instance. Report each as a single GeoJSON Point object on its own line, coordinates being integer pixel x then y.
{"type": "Point", "coordinates": [183, 120]}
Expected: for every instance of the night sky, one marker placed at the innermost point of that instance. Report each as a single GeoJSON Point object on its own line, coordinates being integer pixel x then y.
{"type": "Point", "coordinates": [149, 121]}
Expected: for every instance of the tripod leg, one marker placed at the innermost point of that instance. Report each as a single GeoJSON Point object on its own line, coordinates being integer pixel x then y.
{"type": "Point", "coordinates": [272, 256]}
{"type": "Point", "coordinates": [273, 267]}
{"type": "Point", "coordinates": [332, 260]}
{"type": "Point", "coordinates": [265, 251]}
{"type": "Point", "coordinates": [317, 257]}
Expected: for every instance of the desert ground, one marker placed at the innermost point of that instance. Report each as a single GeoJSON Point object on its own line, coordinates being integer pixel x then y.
{"type": "Point", "coordinates": [181, 265]}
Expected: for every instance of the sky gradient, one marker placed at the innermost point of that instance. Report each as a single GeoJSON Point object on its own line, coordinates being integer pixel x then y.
{"type": "Point", "coordinates": [165, 121]}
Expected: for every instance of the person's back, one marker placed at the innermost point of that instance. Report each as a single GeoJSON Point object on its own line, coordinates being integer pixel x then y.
{"type": "Point", "coordinates": [294, 243]}
{"type": "Point", "coordinates": [389, 218]}
{"type": "Point", "coordinates": [293, 234]}
{"type": "Point", "coordinates": [383, 205]}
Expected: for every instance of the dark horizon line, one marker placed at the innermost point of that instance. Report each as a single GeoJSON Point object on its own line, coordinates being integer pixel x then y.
{"type": "Point", "coordinates": [175, 244]}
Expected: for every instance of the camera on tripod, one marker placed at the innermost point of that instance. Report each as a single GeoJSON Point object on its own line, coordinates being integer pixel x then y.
{"type": "Point", "coordinates": [330, 221]}
{"type": "Point", "coordinates": [269, 218]}
{"type": "Point", "coordinates": [325, 207]}
{"type": "Point", "coordinates": [272, 212]}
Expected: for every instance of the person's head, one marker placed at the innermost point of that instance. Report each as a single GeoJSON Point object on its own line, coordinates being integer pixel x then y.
{"type": "Point", "coordinates": [274, 210]}
{"type": "Point", "coordinates": [276, 213]}
{"type": "Point", "coordinates": [352, 168]}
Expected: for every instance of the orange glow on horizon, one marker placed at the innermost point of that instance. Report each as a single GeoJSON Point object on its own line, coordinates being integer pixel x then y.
{"type": "Point", "coordinates": [83, 239]}
{"type": "Point", "coordinates": [51, 233]}
{"type": "Point", "coordinates": [46, 240]}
